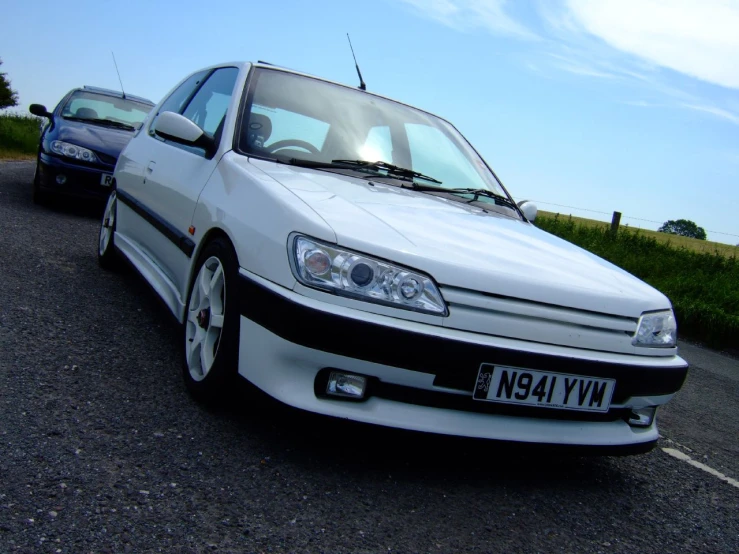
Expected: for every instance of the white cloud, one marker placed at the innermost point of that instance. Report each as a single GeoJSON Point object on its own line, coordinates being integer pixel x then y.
{"type": "Point", "coordinates": [578, 67]}
{"type": "Point", "coordinates": [699, 38]}
{"type": "Point", "coordinates": [465, 15]}
{"type": "Point", "coordinates": [721, 113]}
{"type": "Point", "coordinates": [718, 112]}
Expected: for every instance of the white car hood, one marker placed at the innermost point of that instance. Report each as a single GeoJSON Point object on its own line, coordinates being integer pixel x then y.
{"type": "Point", "coordinates": [461, 246]}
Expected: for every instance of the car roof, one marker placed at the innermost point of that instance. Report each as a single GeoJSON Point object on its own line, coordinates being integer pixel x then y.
{"type": "Point", "coordinates": [268, 65]}
{"type": "Point", "coordinates": [116, 93]}
{"type": "Point", "coordinates": [304, 74]}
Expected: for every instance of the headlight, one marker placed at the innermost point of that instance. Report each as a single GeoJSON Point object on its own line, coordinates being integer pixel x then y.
{"type": "Point", "coordinates": [319, 265]}
{"type": "Point", "coordinates": [656, 329]}
{"type": "Point", "coordinates": [73, 151]}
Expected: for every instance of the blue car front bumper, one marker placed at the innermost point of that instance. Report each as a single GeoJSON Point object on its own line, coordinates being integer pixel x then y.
{"type": "Point", "coordinates": [69, 178]}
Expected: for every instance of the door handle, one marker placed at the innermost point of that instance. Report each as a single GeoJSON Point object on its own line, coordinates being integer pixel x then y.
{"type": "Point", "coordinates": [150, 167]}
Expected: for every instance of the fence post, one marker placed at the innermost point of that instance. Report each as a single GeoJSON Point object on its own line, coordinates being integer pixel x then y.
{"type": "Point", "coordinates": [615, 222]}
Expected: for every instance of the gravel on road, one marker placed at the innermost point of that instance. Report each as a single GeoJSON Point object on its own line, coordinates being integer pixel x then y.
{"type": "Point", "coordinates": [102, 449]}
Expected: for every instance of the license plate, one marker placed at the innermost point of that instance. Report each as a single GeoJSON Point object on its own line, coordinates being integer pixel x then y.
{"type": "Point", "coordinates": [106, 179]}
{"type": "Point", "coordinates": [511, 385]}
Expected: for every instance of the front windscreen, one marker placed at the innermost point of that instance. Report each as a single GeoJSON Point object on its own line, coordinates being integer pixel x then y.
{"type": "Point", "coordinates": [100, 108]}
{"type": "Point", "coordinates": [292, 116]}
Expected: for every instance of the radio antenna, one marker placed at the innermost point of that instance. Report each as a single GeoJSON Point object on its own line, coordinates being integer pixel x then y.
{"type": "Point", "coordinates": [119, 74]}
{"type": "Point", "coordinates": [362, 86]}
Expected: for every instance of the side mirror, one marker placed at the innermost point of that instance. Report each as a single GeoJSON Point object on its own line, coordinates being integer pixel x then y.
{"type": "Point", "coordinates": [179, 129]}
{"type": "Point", "coordinates": [529, 209]}
{"type": "Point", "coordinates": [39, 110]}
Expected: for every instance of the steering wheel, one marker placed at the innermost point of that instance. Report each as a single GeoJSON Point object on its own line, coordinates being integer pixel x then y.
{"type": "Point", "coordinates": [280, 144]}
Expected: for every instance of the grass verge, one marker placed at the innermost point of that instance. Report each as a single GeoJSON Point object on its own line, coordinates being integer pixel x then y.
{"type": "Point", "coordinates": [703, 286]}
{"type": "Point", "coordinates": [672, 240]}
{"type": "Point", "coordinates": [19, 136]}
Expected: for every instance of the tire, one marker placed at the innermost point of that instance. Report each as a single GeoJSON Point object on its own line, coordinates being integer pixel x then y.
{"type": "Point", "coordinates": [210, 365]}
{"type": "Point", "coordinates": [108, 258]}
{"type": "Point", "coordinates": [40, 197]}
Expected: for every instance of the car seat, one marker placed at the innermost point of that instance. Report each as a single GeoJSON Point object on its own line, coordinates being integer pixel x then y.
{"type": "Point", "coordinates": [258, 131]}
{"type": "Point", "coordinates": [86, 113]}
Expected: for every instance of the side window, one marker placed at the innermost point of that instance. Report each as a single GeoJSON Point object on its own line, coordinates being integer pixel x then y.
{"type": "Point", "coordinates": [177, 99]}
{"type": "Point", "coordinates": [208, 107]}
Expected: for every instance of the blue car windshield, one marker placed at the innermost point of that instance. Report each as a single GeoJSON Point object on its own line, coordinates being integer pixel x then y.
{"type": "Point", "coordinates": [89, 105]}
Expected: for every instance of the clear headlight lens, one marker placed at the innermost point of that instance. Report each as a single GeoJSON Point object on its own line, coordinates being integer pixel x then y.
{"type": "Point", "coordinates": [656, 329]}
{"type": "Point", "coordinates": [73, 151]}
{"type": "Point", "coordinates": [351, 274]}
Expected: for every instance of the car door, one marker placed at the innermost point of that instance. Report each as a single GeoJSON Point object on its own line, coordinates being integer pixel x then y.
{"type": "Point", "coordinates": [173, 175]}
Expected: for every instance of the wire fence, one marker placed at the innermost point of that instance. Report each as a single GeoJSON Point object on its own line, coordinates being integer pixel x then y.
{"type": "Point", "coordinates": [623, 216]}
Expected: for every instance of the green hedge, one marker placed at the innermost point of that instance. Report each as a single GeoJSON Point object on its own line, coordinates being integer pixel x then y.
{"type": "Point", "coordinates": [19, 133]}
{"type": "Point", "coordinates": [703, 287]}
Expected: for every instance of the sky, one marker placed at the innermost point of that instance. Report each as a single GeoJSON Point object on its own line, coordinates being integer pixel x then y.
{"type": "Point", "coordinates": [585, 107]}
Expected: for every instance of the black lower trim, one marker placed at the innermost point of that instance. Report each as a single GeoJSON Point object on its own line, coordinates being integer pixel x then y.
{"type": "Point", "coordinates": [465, 403]}
{"type": "Point", "coordinates": [454, 363]}
{"type": "Point", "coordinates": [178, 238]}
{"type": "Point", "coordinates": [81, 181]}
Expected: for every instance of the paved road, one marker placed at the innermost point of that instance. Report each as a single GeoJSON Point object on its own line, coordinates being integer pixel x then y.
{"type": "Point", "coordinates": [102, 450]}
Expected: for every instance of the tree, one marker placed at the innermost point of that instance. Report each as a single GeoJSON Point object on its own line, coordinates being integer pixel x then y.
{"type": "Point", "coordinates": [684, 228]}
{"type": "Point", "coordinates": [8, 97]}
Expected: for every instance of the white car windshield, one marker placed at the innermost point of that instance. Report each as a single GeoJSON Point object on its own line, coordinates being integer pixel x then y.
{"type": "Point", "coordinates": [293, 117]}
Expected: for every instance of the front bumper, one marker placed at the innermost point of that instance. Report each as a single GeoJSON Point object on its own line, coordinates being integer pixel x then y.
{"type": "Point", "coordinates": [81, 180]}
{"type": "Point", "coordinates": [423, 375]}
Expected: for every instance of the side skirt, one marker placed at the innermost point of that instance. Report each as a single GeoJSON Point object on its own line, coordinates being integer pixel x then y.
{"type": "Point", "coordinates": [152, 274]}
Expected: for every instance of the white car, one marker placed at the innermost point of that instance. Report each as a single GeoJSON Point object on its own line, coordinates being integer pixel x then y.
{"type": "Point", "coordinates": [354, 256]}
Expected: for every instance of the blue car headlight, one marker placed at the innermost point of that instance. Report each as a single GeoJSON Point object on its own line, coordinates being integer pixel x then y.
{"type": "Point", "coordinates": [73, 151]}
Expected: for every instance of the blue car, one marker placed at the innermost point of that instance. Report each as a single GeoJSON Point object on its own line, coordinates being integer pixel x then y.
{"type": "Point", "coordinates": [82, 139]}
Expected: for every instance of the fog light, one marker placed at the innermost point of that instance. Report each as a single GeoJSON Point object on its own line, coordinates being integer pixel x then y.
{"type": "Point", "coordinates": [642, 417]}
{"type": "Point", "coordinates": [345, 385]}
{"type": "Point", "coordinates": [61, 179]}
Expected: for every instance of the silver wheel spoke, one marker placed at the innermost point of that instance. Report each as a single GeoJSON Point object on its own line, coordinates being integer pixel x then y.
{"type": "Point", "coordinates": [195, 352]}
{"type": "Point", "coordinates": [204, 283]}
{"type": "Point", "coordinates": [204, 365]}
{"type": "Point", "coordinates": [192, 315]}
{"type": "Point", "coordinates": [215, 281]}
{"type": "Point", "coordinates": [216, 321]}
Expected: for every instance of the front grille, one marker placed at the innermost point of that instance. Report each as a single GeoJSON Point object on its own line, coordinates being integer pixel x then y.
{"type": "Point", "coordinates": [538, 322]}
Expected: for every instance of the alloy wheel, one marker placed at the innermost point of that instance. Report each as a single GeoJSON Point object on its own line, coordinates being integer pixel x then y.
{"type": "Point", "coordinates": [205, 316]}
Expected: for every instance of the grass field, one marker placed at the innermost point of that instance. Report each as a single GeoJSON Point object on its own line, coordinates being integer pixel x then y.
{"type": "Point", "coordinates": [19, 136]}
{"type": "Point", "coordinates": [702, 285]}
{"type": "Point", "coordinates": [675, 241]}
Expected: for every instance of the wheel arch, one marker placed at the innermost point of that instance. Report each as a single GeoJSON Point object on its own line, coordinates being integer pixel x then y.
{"type": "Point", "coordinates": [210, 235]}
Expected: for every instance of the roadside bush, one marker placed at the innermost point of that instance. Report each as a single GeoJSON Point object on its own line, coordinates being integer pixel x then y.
{"type": "Point", "coordinates": [19, 133]}
{"type": "Point", "coordinates": [703, 287]}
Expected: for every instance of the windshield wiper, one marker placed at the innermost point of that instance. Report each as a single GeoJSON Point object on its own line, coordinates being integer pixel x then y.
{"type": "Point", "coordinates": [109, 122]}
{"type": "Point", "coordinates": [374, 168]}
{"type": "Point", "coordinates": [113, 123]}
{"type": "Point", "coordinates": [392, 170]}
{"type": "Point", "coordinates": [499, 198]}
{"type": "Point", "coordinates": [488, 194]}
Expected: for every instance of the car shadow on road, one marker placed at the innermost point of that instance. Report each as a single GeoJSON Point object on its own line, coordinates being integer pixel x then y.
{"type": "Point", "coordinates": [88, 208]}
{"type": "Point", "coordinates": [318, 441]}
